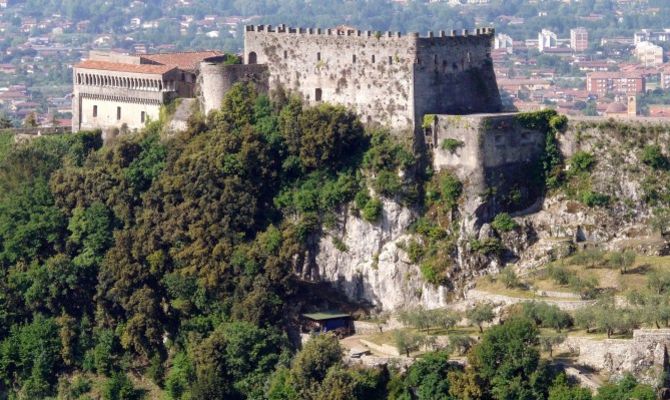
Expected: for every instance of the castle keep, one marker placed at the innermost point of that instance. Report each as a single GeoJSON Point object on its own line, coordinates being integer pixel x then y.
{"type": "Point", "coordinates": [388, 78]}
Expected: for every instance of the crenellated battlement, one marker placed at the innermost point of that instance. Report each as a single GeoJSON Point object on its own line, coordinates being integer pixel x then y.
{"type": "Point", "coordinates": [283, 29]}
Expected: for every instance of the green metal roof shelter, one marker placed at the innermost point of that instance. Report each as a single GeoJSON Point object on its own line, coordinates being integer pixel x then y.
{"type": "Point", "coordinates": [329, 320]}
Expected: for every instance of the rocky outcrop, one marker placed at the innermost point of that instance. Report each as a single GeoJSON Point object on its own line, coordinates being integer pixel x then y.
{"type": "Point", "coordinates": [367, 263]}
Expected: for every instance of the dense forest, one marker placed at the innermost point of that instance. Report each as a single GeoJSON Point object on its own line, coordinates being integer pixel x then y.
{"type": "Point", "coordinates": [162, 267]}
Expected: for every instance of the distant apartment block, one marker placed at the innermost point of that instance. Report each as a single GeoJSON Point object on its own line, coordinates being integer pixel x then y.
{"type": "Point", "coordinates": [546, 40]}
{"type": "Point", "coordinates": [505, 42]}
{"type": "Point", "coordinates": [665, 77]}
{"type": "Point", "coordinates": [579, 39]}
{"type": "Point", "coordinates": [649, 54]}
{"type": "Point", "coordinates": [648, 35]}
{"type": "Point", "coordinates": [602, 83]}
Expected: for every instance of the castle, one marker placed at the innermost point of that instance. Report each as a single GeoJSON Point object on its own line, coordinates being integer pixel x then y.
{"type": "Point", "coordinates": [386, 77]}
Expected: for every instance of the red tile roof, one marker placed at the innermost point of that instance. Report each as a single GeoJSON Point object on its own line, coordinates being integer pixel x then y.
{"type": "Point", "coordinates": [121, 67]}
{"type": "Point", "coordinates": [184, 60]}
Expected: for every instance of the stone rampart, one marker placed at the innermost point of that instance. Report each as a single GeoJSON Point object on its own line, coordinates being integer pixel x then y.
{"type": "Point", "coordinates": [387, 77]}
{"type": "Point", "coordinates": [645, 355]}
{"type": "Point", "coordinates": [496, 156]}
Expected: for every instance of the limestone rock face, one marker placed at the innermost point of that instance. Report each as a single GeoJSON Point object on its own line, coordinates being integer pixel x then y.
{"type": "Point", "coordinates": [371, 266]}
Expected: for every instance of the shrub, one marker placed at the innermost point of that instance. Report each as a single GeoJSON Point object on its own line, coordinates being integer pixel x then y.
{"type": "Point", "coordinates": [372, 210]}
{"type": "Point", "coordinates": [451, 189]}
{"type": "Point", "coordinates": [504, 223]}
{"type": "Point", "coordinates": [593, 199]}
{"type": "Point", "coordinates": [581, 162]}
{"type": "Point", "coordinates": [451, 145]}
{"type": "Point", "coordinates": [361, 199]}
{"type": "Point", "coordinates": [509, 278]}
{"type": "Point", "coordinates": [652, 155]}
{"type": "Point", "coordinates": [488, 246]}
{"type": "Point", "coordinates": [428, 121]}
{"type": "Point", "coordinates": [589, 258]}
{"type": "Point", "coordinates": [387, 183]}
{"type": "Point", "coordinates": [559, 274]}
{"type": "Point", "coordinates": [622, 260]}
{"type": "Point", "coordinates": [119, 387]}
{"type": "Point", "coordinates": [587, 288]}
{"type": "Point", "coordinates": [429, 273]}
{"type": "Point", "coordinates": [558, 123]}
{"type": "Point", "coordinates": [415, 251]}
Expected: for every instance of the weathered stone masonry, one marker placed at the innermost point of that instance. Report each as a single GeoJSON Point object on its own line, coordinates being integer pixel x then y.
{"type": "Point", "coordinates": [388, 78]}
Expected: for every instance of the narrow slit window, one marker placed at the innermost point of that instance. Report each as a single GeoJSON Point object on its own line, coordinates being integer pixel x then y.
{"type": "Point", "coordinates": [318, 94]}
{"type": "Point", "coordinates": [118, 113]}
{"type": "Point", "coordinates": [318, 56]}
{"type": "Point", "coordinates": [390, 60]}
{"type": "Point", "coordinates": [373, 58]}
{"type": "Point", "coordinates": [353, 59]}
{"type": "Point", "coordinates": [143, 116]}
{"type": "Point", "coordinates": [285, 54]}
{"type": "Point", "coordinates": [95, 111]}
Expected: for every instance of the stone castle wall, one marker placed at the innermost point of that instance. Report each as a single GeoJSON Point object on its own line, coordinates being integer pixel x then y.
{"type": "Point", "coordinates": [645, 355]}
{"type": "Point", "coordinates": [387, 78]}
{"type": "Point", "coordinates": [454, 75]}
{"type": "Point", "coordinates": [495, 156]}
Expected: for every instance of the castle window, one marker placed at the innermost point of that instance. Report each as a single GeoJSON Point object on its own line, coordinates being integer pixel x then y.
{"type": "Point", "coordinates": [118, 113]}
{"type": "Point", "coordinates": [353, 59]}
{"type": "Point", "coordinates": [143, 116]}
{"type": "Point", "coordinates": [95, 111]}
{"type": "Point", "coordinates": [318, 56]}
{"type": "Point", "coordinates": [390, 60]}
{"type": "Point", "coordinates": [318, 94]}
{"type": "Point", "coordinates": [373, 58]}
{"type": "Point", "coordinates": [252, 58]}
{"type": "Point", "coordinates": [285, 54]}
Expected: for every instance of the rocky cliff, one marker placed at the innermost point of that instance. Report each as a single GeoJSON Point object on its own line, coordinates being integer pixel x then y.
{"type": "Point", "coordinates": [617, 200]}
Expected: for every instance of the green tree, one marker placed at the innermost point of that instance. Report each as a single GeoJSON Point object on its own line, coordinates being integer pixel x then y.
{"type": "Point", "coordinates": [549, 342]}
{"type": "Point", "coordinates": [407, 342]}
{"type": "Point", "coordinates": [119, 387]}
{"type": "Point", "coordinates": [622, 260]}
{"type": "Point", "coordinates": [479, 314]}
{"type": "Point", "coordinates": [626, 388]}
{"type": "Point", "coordinates": [428, 377]}
{"type": "Point", "coordinates": [311, 364]}
{"type": "Point", "coordinates": [561, 390]}
{"type": "Point", "coordinates": [509, 361]}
